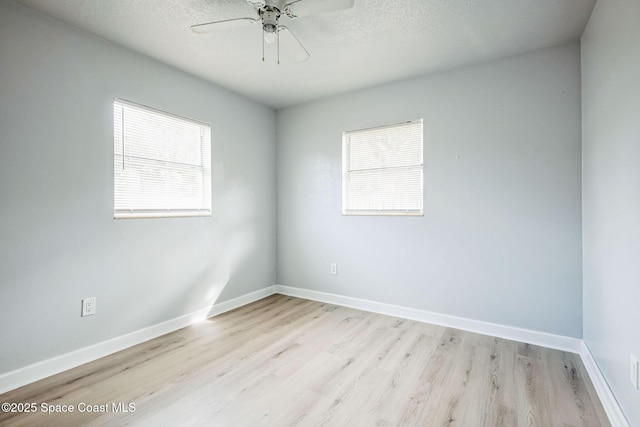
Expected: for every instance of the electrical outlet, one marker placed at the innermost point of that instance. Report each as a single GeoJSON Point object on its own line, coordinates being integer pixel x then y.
{"type": "Point", "coordinates": [334, 268]}
{"type": "Point", "coordinates": [88, 307]}
{"type": "Point", "coordinates": [633, 371]}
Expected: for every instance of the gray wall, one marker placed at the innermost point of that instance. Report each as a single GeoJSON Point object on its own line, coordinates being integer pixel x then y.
{"type": "Point", "coordinates": [611, 188]}
{"type": "Point", "coordinates": [58, 239]}
{"type": "Point", "coordinates": [500, 240]}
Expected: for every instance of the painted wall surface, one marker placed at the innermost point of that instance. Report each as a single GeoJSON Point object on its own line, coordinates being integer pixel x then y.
{"type": "Point", "coordinates": [611, 188]}
{"type": "Point", "coordinates": [500, 240]}
{"type": "Point", "coordinates": [59, 242]}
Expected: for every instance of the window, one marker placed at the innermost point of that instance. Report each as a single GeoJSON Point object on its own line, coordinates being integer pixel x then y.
{"type": "Point", "coordinates": [382, 170]}
{"type": "Point", "coordinates": [162, 163]}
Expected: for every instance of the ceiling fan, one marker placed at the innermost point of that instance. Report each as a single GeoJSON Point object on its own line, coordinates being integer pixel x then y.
{"type": "Point", "coordinates": [269, 13]}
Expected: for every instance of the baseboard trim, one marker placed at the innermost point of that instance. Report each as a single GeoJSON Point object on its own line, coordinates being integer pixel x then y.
{"type": "Point", "coordinates": [37, 371]}
{"type": "Point", "coordinates": [558, 342]}
{"type": "Point", "coordinates": [611, 406]}
{"type": "Point", "coordinates": [241, 301]}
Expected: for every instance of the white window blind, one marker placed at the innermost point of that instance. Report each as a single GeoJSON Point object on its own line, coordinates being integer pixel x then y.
{"type": "Point", "coordinates": [162, 163]}
{"type": "Point", "coordinates": [382, 170]}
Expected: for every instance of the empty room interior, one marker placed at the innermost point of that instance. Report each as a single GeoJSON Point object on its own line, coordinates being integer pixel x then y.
{"type": "Point", "coordinates": [422, 212]}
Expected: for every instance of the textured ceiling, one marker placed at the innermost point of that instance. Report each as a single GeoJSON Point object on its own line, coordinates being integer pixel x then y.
{"type": "Point", "coordinates": [374, 42]}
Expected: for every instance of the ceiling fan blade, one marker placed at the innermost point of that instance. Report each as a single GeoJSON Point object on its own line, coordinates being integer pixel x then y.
{"type": "Point", "coordinates": [221, 25]}
{"type": "Point", "coordinates": [314, 7]}
{"type": "Point", "coordinates": [292, 49]}
{"type": "Point", "coordinates": [256, 4]}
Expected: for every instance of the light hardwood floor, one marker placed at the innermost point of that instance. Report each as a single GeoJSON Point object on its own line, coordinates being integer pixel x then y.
{"type": "Point", "coordinates": [286, 361]}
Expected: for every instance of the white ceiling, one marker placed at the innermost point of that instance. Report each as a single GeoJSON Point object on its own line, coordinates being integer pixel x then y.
{"type": "Point", "coordinates": [376, 41]}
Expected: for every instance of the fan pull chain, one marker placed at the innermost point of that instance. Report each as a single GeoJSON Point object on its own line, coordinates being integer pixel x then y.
{"type": "Point", "coordinates": [278, 36]}
{"type": "Point", "coordinates": [262, 37]}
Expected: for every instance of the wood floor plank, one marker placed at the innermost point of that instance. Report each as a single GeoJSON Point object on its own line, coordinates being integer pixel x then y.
{"type": "Point", "coordinates": [285, 361]}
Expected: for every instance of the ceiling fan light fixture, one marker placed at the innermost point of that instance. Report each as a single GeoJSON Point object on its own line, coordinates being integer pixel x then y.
{"type": "Point", "coordinates": [270, 16]}
{"type": "Point", "coordinates": [269, 36]}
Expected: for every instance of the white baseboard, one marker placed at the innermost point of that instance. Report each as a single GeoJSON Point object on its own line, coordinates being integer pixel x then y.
{"type": "Point", "coordinates": [28, 374]}
{"type": "Point", "coordinates": [611, 406]}
{"type": "Point", "coordinates": [241, 301]}
{"type": "Point", "coordinates": [543, 339]}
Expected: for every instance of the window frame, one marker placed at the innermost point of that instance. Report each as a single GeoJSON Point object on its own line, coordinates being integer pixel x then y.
{"type": "Point", "coordinates": [346, 162]}
{"type": "Point", "coordinates": [203, 208]}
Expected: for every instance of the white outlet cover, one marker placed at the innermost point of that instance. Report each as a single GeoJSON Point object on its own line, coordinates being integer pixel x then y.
{"type": "Point", "coordinates": [88, 307]}
{"type": "Point", "coordinates": [633, 371]}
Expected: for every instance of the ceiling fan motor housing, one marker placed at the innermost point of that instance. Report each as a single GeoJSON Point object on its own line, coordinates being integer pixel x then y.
{"type": "Point", "coordinates": [270, 16]}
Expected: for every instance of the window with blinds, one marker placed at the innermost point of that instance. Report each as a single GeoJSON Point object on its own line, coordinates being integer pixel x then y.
{"type": "Point", "coordinates": [382, 170]}
{"type": "Point", "coordinates": [162, 163]}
